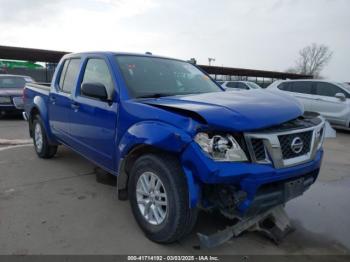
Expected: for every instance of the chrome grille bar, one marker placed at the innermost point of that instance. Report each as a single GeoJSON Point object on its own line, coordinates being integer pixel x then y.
{"type": "Point", "coordinates": [274, 150]}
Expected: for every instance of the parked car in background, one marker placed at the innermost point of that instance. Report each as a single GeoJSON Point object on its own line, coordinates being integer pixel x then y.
{"type": "Point", "coordinates": [234, 85]}
{"type": "Point", "coordinates": [330, 99]}
{"type": "Point", "coordinates": [11, 88]}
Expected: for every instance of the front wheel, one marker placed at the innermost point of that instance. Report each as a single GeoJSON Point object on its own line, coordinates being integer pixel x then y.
{"type": "Point", "coordinates": [41, 144]}
{"type": "Point", "coordinates": [159, 198]}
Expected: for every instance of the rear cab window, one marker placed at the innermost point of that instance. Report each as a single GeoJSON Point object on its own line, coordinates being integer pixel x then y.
{"type": "Point", "coordinates": [69, 75]}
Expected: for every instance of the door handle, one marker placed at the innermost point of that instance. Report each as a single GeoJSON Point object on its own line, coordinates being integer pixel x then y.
{"type": "Point", "coordinates": [75, 106]}
{"type": "Point", "coordinates": [52, 100]}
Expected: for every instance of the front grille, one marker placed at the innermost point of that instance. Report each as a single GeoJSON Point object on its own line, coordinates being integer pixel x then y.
{"type": "Point", "coordinates": [287, 140]}
{"type": "Point", "coordinates": [259, 149]}
{"type": "Point", "coordinates": [284, 148]}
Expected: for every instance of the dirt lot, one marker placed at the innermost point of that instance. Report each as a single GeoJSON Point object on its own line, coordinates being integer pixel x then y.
{"type": "Point", "coordinates": [56, 207]}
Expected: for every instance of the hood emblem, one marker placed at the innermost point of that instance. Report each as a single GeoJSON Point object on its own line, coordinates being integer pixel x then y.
{"type": "Point", "coordinates": [297, 145]}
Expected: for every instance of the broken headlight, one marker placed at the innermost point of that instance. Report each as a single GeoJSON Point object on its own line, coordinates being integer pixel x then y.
{"type": "Point", "coordinates": [221, 148]}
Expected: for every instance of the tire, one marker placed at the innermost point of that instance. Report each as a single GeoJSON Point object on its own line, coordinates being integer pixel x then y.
{"type": "Point", "coordinates": [179, 218]}
{"type": "Point", "coordinates": [41, 144]}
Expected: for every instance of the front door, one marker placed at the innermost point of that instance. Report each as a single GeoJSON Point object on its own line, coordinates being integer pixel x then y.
{"type": "Point", "coordinates": [331, 107]}
{"type": "Point", "coordinates": [94, 122]}
{"type": "Point", "coordinates": [302, 90]}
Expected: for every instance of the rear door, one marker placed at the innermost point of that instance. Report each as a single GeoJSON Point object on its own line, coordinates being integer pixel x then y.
{"type": "Point", "coordinates": [60, 99]}
{"type": "Point", "coordinates": [301, 90]}
{"type": "Point", "coordinates": [333, 109]}
{"type": "Point", "coordinates": [94, 122]}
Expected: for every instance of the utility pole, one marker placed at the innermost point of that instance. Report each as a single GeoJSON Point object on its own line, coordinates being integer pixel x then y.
{"type": "Point", "coordinates": [211, 60]}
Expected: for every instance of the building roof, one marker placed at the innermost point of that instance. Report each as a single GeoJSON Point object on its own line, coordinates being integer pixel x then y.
{"type": "Point", "coordinates": [51, 56]}
{"type": "Point", "coordinates": [30, 54]}
{"type": "Point", "coordinates": [219, 70]}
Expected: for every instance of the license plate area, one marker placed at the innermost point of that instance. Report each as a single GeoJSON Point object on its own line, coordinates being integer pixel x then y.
{"type": "Point", "coordinates": [5, 100]}
{"type": "Point", "coordinates": [294, 188]}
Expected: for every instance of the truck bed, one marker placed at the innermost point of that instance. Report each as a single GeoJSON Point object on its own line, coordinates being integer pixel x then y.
{"type": "Point", "coordinates": [39, 87]}
{"type": "Point", "coordinates": [35, 91]}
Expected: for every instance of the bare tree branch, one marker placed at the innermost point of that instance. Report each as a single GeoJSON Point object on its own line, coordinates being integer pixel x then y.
{"type": "Point", "coordinates": [312, 60]}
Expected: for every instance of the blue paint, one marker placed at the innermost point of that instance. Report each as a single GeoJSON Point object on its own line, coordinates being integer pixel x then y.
{"type": "Point", "coordinates": [106, 132]}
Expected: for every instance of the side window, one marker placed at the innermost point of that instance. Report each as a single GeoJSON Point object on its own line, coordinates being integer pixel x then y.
{"type": "Point", "coordinates": [326, 89]}
{"type": "Point", "coordinates": [301, 87]}
{"type": "Point", "coordinates": [284, 86]}
{"type": "Point", "coordinates": [231, 85]}
{"type": "Point", "coordinates": [242, 86]}
{"type": "Point", "coordinates": [63, 74]}
{"type": "Point", "coordinates": [96, 71]}
{"type": "Point", "coordinates": [71, 75]}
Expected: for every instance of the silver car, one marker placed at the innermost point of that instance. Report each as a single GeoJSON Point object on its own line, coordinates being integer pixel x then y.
{"type": "Point", "coordinates": [330, 99]}
{"type": "Point", "coordinates": [238, 85]}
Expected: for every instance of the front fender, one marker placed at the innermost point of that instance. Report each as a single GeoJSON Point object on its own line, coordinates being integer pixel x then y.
{"type": "Point", "coordinates": [155, 134]}
{"type": "Point", "coordinates": [159, 135]}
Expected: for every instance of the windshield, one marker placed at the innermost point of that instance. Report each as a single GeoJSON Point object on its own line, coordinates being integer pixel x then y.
{"type": "Point", "coordinates": [12, 82]}
{"type": "Point", "coordinates": [156, 77]}
{"type": "Point", "coordinates": [253, 85]}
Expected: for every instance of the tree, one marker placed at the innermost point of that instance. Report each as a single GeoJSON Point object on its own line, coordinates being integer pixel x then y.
{"type": "Point", "coordinates": [312, 60]}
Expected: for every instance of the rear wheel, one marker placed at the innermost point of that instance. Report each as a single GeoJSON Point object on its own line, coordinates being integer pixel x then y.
{"type": "Point", "coordinates": [41, 145]}
{"type": "Point", "coordinates": [159, 198]}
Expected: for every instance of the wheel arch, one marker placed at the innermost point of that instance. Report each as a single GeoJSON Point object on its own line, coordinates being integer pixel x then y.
{"type": "Point", "coordinates": [129, 158]}
{"type": "Point", "coordinates": [39, 108]}
{"type": "Point", "coordinates": [137, 151]}
{"type": "Point", "coordinates": [33, 113]}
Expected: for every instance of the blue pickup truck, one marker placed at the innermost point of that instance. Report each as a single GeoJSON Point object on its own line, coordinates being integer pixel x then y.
{"type": "Point", "coordinates": [175, 140]}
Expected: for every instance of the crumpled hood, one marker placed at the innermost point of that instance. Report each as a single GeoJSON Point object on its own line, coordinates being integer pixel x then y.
{"type": "Point", "coordinates": [235, 111]}
{"type": "Point", "coordinates": [11, 91]}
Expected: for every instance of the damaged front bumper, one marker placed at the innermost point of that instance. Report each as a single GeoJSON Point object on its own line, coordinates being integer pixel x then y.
{"type": "Point", "coordinates": [255, 192]}
{"type": "Point", "coordinates": [257, 181]}
{"type": "Point", "coordinates": [272, 163]}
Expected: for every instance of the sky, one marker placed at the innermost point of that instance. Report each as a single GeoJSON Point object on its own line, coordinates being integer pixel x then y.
{"type": "Point", "coordinates": [257, 34]}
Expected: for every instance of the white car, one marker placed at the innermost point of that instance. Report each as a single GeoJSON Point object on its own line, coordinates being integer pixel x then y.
{"type": "Point", "coordinates": [234, 85]}
{"type": "Point", "coordinates": [330, 99]}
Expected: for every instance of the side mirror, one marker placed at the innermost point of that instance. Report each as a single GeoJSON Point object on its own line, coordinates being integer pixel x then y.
{"type": "Point", "coordinates": [340, 96]}
{"type": "Point", "coordinates": [94, 90]}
